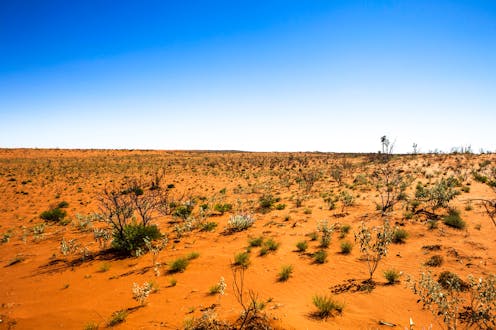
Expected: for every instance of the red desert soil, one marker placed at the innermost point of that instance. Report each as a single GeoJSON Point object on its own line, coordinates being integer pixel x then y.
{"type": "Point", "coordinates": [43, 289]}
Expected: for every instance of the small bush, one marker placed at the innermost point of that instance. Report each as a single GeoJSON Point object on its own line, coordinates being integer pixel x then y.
{"type": "Point", "coordinates": [266, 201]}
{"type": "Point", "coordinates": [178, 265]}
{"type": "Point", "coordinates": [285, 273]}
{"type": "Point", "coordinates": [451, 281]}
{"type": "Point", "coordinates": [132, 238]}
{"type": "Point", "coordinates": [392, 276]}
{"type": "Point", "coordinates": [399, 236]}
{"type": "Point", "coordinates": [320, 256]}
{"type": "Point", "coordinates": [63, 205]}
{"type": "Point", "coordinates": [454, 220]}
{"type": "Point", "coordinates": [302, 246]}
{"type": "Point", "coordinates": [326, 305]}
{"type": "Point", "coordinates": [254, 242]}
{"type": "Point", "coordinates": [346, 247]}
{"type": "Point", "coordinates": [239, 222]}
{"type": "Point", "coordinates": [222, 208]}
{"type": "Point", "coordinates": [280, 206]}
{"type": "Point", "coordinates": [208, 226]}
{"type": "Point", "coordinates": [55, 214]}
{"type": "Point", "coordinates": [117, 317]}
{"type": "Point", "coordinates": [313, 236]}
{"type": "Point", "coordinates": [434, 261]}
{"type": "Point", "coordinates": [344, 230]}
{"type": "Point", "coordinates": [242, 259]}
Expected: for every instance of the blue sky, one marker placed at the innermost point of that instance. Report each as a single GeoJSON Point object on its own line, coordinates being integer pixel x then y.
{"type": "Point", "coordinates": [248, 75]}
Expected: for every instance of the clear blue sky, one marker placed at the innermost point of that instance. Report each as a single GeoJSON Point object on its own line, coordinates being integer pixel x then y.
{"type": "Point", "coordinates": [248, 75]}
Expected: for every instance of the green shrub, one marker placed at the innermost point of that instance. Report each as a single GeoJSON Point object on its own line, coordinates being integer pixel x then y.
{"type": "Point", "coordinates": [242, 259]}
{"type": "Point", "coordinates": [55, 214]}
{"type": "Point", "coordinates": [208, 226]}
{"type": "Point", "coordinates": [434, 261]}
{"type": "Point", "coordinates": [302, 246]}
{"type": "Point", "coordinates": [267, 201]}
{"type": "Point", "coordinates": [132, 238]}
{"type": "Point", "coordinates": [320, 256]}
{"type": "Point", "coordinates": [63, 205]}
{"type": "Point", "coordinates": [392, 276]}
{"type": "Point", "coordinates": [285, 273]}
{"type": "Point", "coordinates": [280, 206]}
{"type": "Point", "coordinates": [117, 317]}
{"type": "Point", "coordinates": [454, 220]}
{"type": "Point", "coordinates": [326, 305]}
{"type": "Point", "coordinates": [313, 236]}
{"type": "Point", "coordinates": [254, 242]}
{"type": "Point", "coordinates": [179, 265]}
{"type": "Point", "coordinates": [344, 230]}
{"type": "Point", "coordinates": [346, 247]}
{"type": "Point", "coordinates": [399, 236]}
{"type": "Point", "coordinates": [183, 211]}
{"type": "Point", "coordinates": [222, 208]}
{"type": "Point", "coordinates": [192, 255]}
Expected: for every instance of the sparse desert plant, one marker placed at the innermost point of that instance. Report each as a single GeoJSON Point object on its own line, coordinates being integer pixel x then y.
{"type": "Point", "coordinates": [302, 246]}
{"type": "Point", "coordinates": [346, 247]}
{"type": "Point", "coordinates": [454, 220]}
{"type": "Point", "coordinates": [223, 208]}
{"type": "Point", "coordinates": [392, 276]}
{"type": "Point", "coordinates": [104, 267]}
{"type": "Point", "coordinates": [218, 288]}
{"type": "Point", "coordinates": [54, 214]}
{"type": "Point", "coordinates": [434, 261]}
{"type": "Point", "coordinates": [326, 305]}
{"type": "Point", "coordinates": [374, 249]}
{"type": "Point", "coordinates": [472, 303]}
{"type": "Point", "coordinates": [285, 273]}
{"type": "Point", "coordinates": [320, 256]}
{"type": "Point", "coordinates": [68, 247]}
{"type": "Point", "coordinates": [344, 230]}
{"type": "Point", "coordinates": [326, 231]}
{"type": "Point", "coordinates": [239, 222]}
{"type": "Point", "coordinates": [269, 246]}
{"type": "Point", "coordinates": [141, 293]}
{"type": "Point", "coordinates": [266, 202]}
{"type": "Point", "coordinates": [172, 282]}
{"type": "Point", "coordinates": [179, 265]}
{"type": "Point", "coordinates": [346, 199]}
{"type": "Point", "coordinates": [399, 236]}
{"type": "Point", "coordinates": [208, 226]}
{"type": "Point", "coordinates": [255, 241]}
{"type": "Point", "coordinates": [242, 259]}
{"type": "Point", "coordinates": [117, 317]}
{"type": "Point", "coordinates": [91, 326]}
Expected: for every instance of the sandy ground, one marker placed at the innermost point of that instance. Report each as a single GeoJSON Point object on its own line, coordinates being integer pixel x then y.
{"type": "Point", "coordinates": [43, 289]}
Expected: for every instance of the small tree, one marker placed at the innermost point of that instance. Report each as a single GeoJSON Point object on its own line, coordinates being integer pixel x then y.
{"type": "Point", "coordinates": [374, 248]}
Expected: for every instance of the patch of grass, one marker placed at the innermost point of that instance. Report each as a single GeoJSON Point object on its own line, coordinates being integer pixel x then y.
{"type": "Point", "coordinates": [344, 230]}
{"type": "Point", "coordinates": [256, 241]}
{"type": "Point", "coordinates": [242, 259]}
{"type": "Point", "coordinates": [313, 235]}
{"type": "Point", "coordinates": [302, 246]}
{"type": "Point", "coordinates": [208, 226]}
{"type": "Point", "coordinates": [117, 317]}
{"type": "Point", "coordinates": [193, 255]}
{"type": "Point", "coordinates": [285, 273]}
{"type": "Point", "coordinates": [392, 276]}
{"type": "Point", "coordinates": [280, 206]}
{"type": "Point", "coordinates": [320, 256]}
{"type": "Point", "coordinates": [453, 219]}
{"type": "Point", "coordinates": [346, 247]}
{"type": "Point", "coordinates": [172, 282]}
{"type": "Point", "coordinates": [179, 265]}
{"type": "Point", "coordinates": [326, 305]}
{"type": "Point", "coordinates": [63, 205]}
{"type": "Point", "coordinates": [91, 326]}
{"type": "Point", "coordinates": [399, 236]}
{"type": "Point", "coordinates": [104, 267]}
{"type": "Point", "coordinates": [434, 261]}
{"type": "Point", "coordinates": [269, 246]}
